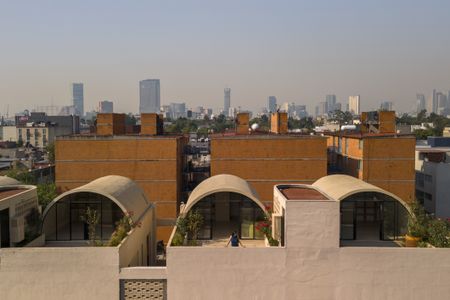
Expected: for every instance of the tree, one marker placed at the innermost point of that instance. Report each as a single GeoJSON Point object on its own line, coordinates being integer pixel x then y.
{"type": "Point", "coordinates": [91, 218]}
{"type": "Point", "coordinates": [46, 193]}
{"type": "Point", "coordinates": [22, 176]}
{"type": "Point", "coordinates": [194, 223]}
{"type": "Point", "coordinates": [50, 148]}
{"type": "Point", "coordinates": [130, 119]}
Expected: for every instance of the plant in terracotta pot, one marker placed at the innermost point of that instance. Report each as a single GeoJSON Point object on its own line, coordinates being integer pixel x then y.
{"type": "Point", "coordinates": [417, 225]}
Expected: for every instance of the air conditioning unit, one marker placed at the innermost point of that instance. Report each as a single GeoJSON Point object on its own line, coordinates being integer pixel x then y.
{"type": "Point", "coordinates": [17, 231]}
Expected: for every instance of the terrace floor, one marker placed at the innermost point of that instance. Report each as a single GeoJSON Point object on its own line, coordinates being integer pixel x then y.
{"type": "Point", "coordinates": [222, 232]}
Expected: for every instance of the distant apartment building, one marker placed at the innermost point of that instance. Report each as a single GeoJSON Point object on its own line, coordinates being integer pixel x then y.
{"type": "Point", "coordinates": [8, 134]}
{"type": "Point", "coordinates": [271, 104]}
{"type": "Point", "coordinates": [78, 98]}
{"type": "Point", "coordinates": [40, 130]}
{"type": "Point", "coordinates": [421, 103]}
{"type": "Point", "coordinates": [106, 107]}
{"type": "Point", "coordinates": [375, 154]}
{"type": "Point", "coordinates": [433, 176]}
{"type": "Point", "coordinates": [267, 159]}
{"type": "Point", "coordinates": [354, 104]}
{"type": "Point", "coordinates": [226, 101]}
{"type": "Point", "coordinates": [155, 161]}
{"type": "Point", "coordinates": [149, 96]}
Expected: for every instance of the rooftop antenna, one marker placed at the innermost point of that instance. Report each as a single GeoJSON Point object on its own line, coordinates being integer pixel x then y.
{"type": "Point", "coordinates": [7, 111]}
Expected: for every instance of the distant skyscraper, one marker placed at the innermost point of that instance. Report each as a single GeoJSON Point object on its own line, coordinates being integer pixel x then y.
{"type": "Point", "coordinates": [149, 96]}
{"type": "Point", "coordinates": [386, 105]}
{"type": "Point", "coordinates": [354, 104]}
{"type": "Point", "coordinates": [421, 102]}
{"type": "Point", "coordinates": [321, 109]}
{"type": "Point", "coordinates": [226, 101]}
{"type": "Point", "coordinates": [105, 107]}
{"type": "Point", "coordinates": [178, 110]}
{"type": "Point", "coordinates": [78, 98]}
{"type": "Point", "coordinates": [432, 103]}
{"type": "Point", "coordinates": [272, 104]}
{"type": "Point", "coordinates": [442, 103]}
{"type": "Point", "coordinates": [330, 101]}
{"type": "Point", "coordinates": [448, 100]}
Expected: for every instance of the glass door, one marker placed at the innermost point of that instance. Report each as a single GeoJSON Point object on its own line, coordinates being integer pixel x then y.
{"type": "Point", "coordinates": [388, 209]}
{"type": "Point", "coordinates": [348, 220]}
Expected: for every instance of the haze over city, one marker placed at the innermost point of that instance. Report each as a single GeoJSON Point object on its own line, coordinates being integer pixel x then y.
{"type": "Point", "coordinates": [297, 50]}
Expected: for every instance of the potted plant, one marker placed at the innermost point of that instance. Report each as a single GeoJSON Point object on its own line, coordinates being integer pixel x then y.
{"type": "Point", "coordinates": [417, 225]}
{"type": "Point", "coordinates": [265, 227]}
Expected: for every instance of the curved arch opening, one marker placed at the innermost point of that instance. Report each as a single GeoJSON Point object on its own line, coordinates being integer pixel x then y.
{"type": "Point", "coordinates": [63, 220]}
{"type": "Point", "coordinates": [226, 212]}
{"type": "Point", "coordinates": [372, 216]}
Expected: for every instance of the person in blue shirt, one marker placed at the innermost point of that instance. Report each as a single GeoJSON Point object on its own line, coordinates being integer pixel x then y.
{"type": "Point", "coordinates": [234, 240]}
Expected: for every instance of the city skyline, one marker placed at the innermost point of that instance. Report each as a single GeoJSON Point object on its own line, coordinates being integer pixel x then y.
{"type": "Point", "coordinates": [377, 53]}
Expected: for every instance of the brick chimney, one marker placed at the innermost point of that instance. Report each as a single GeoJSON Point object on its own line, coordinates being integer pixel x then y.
{"type": "Point", "coordinates": [110, 124]}
{"type": "Point", "coordinates": [151, 124]}
{"type": "Point", "coordinates": [242, 123]}
{"type": "Point", "coordinates": [279, 122]}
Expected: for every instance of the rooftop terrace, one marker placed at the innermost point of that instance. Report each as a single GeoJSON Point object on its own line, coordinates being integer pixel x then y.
{"type": "Point", "coordinates": [301, 193]}
{"type": "Point", "coordinates": [10, 192]}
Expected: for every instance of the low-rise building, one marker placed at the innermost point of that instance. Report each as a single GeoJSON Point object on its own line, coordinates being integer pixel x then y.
{"type": "Point", "coordinates": [433, 176]}
{"type": "Point", "coordinates": [315, 258]}
{"type": "Point", "coordinates": [8, 134]}
{"type": "Point", "coordinates": [375, 153]}
{"type": "Point", "coordinates": [40, 130]}
{"type": "Point", "coordinates": [19, 212]}
{"type": "Point", "coordinates": [154, 160]}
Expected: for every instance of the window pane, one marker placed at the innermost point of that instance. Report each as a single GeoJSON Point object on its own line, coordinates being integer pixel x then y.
{"type": "Point", "coordinates": [62, 221]}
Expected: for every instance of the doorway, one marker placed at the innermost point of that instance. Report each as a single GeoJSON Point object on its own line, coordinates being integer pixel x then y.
{"type": "Point", "coordinates": [4, 228]}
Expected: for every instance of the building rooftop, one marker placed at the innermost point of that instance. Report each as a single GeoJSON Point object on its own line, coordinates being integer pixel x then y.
{"type": "Point", "coordinates": [427, 149]}
{"type": "Point", "coordinates": [263, 136]}
{"type": "Point", "coordinates": [359, 135]}
{"type": "Point", "coordinates": [301, 193]}
{"type": "Point", "coordinates": [10, 192]}
{"type": "Point", "coordinates": [117, 137]}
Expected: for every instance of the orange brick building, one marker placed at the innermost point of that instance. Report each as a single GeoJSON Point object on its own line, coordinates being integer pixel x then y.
{"type": "Point", "coordinates": [154, 162]}
{"type": "Point", "coordinates": [384, 160]}
{"type": "Point", "coordinates": [268, 159]}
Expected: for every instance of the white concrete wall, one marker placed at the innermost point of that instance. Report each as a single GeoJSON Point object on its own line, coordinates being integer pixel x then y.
{"type": "Point", "coordinates": [312, 224]}
{"type": "Point", "coordinates": [59, 273]}
{"type": "Point", "coordinates": [133, 249]}
{"type": "Point", "coordinates": [298, 273]}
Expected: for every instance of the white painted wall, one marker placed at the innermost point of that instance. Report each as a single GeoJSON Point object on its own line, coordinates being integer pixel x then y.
{"type": "Point", "coordinates": [133, 249]}
{"type": "Point", "coordinates": [59, 273]}
{"type": "Point", "coordinates": [299, 273]}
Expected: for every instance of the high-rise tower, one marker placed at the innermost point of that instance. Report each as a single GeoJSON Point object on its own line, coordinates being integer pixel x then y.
{"type": "Point", "coordinates": [226, 101]}
{"type": "Point", "coordinates": [78, 98]}
{"type": "Point", "coordinates": [421, 103]}
{"type": "Point", "coordinates": [272, 104]}
{"type": "Point", "coordinates": [354, 104]}
{"type": "Point", "coordinates": [149, 96]}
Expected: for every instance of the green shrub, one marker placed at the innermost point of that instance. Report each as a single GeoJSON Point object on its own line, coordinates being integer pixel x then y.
{"type": "Point", "coordinates": [438, 233]}
{"type": "Point", "coordinates": [123, 226]}
{"type": "Point", "coordinates": [178, 239]}
{"type": "Point", "coordinates": [417, 221]}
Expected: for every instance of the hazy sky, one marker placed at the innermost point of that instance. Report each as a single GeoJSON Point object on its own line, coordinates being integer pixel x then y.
{"type": "Point", "coordinates": [298, 51]}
